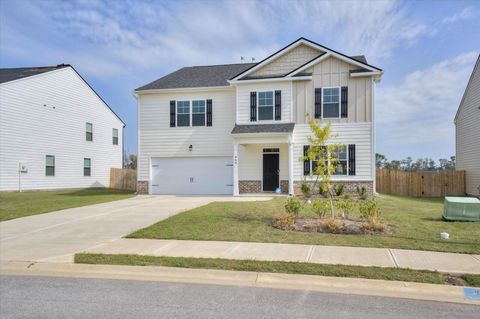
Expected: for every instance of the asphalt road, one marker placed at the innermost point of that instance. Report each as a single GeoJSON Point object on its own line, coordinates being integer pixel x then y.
{"type": "Point", "coordinates": [49, 297]}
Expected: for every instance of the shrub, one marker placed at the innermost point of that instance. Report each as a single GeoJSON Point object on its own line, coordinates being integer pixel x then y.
{"type": "Point", "coordinates": [284, 221]}
{"type": "Point", "coordinates": [369, 211]}
{"type": "Point", "coordinates": [321, 207]}
{"type": "Point", "coordinates": [332, 225]}
{"type": "Point", "coordinates": [292, 206]}
{"type": "Point", "coordinates": [362, 192]}
{"type": "Point", "coordinates": [347, 196]}
{"type": "Point", "coordinates": [305, 189]}
{"type": "Point", "coordinates": [373, 226]}
{"type": "Point", "coordinates": [346, 206]}
{"type": "Point", "coordinates": [323, 190]}
{"type": "Point", "coordinates": [339, 189]}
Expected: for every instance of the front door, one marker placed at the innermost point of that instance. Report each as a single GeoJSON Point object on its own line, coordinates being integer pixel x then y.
{"type": "Point", "coordinates": [270, 172]}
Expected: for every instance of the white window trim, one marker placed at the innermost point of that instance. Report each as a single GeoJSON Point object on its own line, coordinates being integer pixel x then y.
{"type": "Point", "coordinates": [348, 167]}
{"type": "Point", "coordinates": [273, 106]}
{"type": "Point", "coordinates": [190, 112]}
{"type": "Point", "coordinates": [339, 102]}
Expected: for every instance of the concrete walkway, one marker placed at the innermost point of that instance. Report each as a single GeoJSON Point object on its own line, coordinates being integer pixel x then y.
{"type": "Point", "coordinates": [56, 236]}
{"type": "Point", "coordinates": [381, 257]}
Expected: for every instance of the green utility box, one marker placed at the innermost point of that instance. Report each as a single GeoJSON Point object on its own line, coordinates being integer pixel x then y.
{"type": "Point", "coordinates": [461, 208]}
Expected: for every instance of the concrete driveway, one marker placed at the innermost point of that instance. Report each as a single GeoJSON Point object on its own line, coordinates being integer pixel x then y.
{"type": "Point", "coordinates": [56, 236]}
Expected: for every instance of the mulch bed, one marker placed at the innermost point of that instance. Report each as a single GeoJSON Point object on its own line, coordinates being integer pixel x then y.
{"type": "Point", "coordinates": [346, 226]}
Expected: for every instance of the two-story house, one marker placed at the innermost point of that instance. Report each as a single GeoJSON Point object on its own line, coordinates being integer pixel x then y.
{"type": "Point", "coordinates": [55, 131]}
{"type": "Point", "coordinates": [242, 128]}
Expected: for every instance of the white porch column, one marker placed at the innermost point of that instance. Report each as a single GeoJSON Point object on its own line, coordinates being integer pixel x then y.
{"type": "Point", "coordinates": [290, 165]}
{"type": "Point", "coordinates": [235, 168]}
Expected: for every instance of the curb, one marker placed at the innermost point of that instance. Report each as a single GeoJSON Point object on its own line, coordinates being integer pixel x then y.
{"type": "Point", "coordinates": [368, 287]}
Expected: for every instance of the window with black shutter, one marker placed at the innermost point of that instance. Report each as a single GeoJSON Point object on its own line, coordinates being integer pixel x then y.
{"type": "Point", "coordinates": [172, 114]}
{"type": "Point", "coordinates": [278, 105]}
{"type": "Point", "coordinates": [318, 103]}
{"type": "Point", "coordinates": [253, 106]}
{"type": "Point", "coordinates": [209, 112]}
{"type": "Point", "coordinates": [351, 159]}
{"type": "Point", "coordinates": [306, 161]}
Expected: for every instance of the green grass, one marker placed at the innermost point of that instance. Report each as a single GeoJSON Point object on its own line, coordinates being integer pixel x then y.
{"type": "Point", "coordinates": [398, 274]}
{"type": "Point", "coordinates": [15, 204]}
{"type": "Point", "coordinates": [415, 224]}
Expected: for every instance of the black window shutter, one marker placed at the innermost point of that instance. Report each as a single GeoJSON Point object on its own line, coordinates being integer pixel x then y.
{"type": "Point", "coordinates": [209, 112]}
{"type": "Point", "coordinates": [306, 161]}
{"type": "Point", "coordinates": [253, 106]}
{"type": "Point", "coordinates": [344, 112]}
{"type": "Point", "coordinates": [278, 105]}
{"type": "Point", "coordinates": [318, 103]}
{"type": "Point", "coordinates": [351, 159]}
{"type": "Point", "coordinates": [172, 113]}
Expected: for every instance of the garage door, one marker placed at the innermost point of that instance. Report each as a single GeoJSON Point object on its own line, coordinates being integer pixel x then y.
{"type": "Point", "coordinates": [192, 175]}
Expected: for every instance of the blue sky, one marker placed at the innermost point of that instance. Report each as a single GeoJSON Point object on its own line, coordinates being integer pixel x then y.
{"type": "Point", "coordinates": [426, 48]}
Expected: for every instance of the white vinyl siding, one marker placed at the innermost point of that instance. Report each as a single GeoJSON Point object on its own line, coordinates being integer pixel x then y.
{"type": "Point", "coordinates": [243, 100]}
{"type": "Point", "coordinates": [468, 134]}
{"type": "Point", "coordinates": [358, 134]}
{"type": "Point", "coordinates": [46, 115]}
{"type": "Point", "coordinates": [250, 161]}
{"type": "Point", "coordinates": [158, 139]}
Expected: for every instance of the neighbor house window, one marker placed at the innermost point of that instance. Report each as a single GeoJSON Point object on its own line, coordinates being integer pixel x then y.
{"type": "Point", "coordinates": [87, 167]}
{"type": "Point", "coordinates": [183, 113]}
{"type": "Point", "coordinates": [265, 106]}
{"type": "Point", "coordinates": [198, 113]}
{"type": "Point", "coordinates": [89, 131]}
{"type": "Point", "coordinates": [50, 165]}
{"type": "Point", "coordinates": [115, 136]}
{"type": "Point", "coordinates": [341, 167]}
{"type": "Point", "coordinates": [331, 102]}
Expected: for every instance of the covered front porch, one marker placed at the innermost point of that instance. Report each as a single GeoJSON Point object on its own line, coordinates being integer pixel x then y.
{"type": "Point", "coordinates": [263, 158]}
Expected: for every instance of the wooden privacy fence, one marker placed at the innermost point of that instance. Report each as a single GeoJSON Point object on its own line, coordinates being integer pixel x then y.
{"type": "Point", "coordinates": [123, 178]}
{"type": "Point", "coordinates": [420, 184]}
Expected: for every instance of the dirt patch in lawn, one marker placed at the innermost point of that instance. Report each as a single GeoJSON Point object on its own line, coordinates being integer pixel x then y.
{"type": "Point", "coordinates": [333, 226]}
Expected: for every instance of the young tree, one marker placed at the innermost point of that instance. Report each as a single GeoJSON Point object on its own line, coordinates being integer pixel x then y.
{"type": "Point", "coordinates": [323, 156]}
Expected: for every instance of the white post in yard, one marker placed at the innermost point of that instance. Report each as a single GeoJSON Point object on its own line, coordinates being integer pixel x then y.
{"type": "Point", "coordinates": [290, 165]}
{"type": "Point", "coordinates": [235, 169]}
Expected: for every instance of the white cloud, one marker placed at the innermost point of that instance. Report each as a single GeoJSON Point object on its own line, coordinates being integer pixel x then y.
{"type": "Point", "coordinates": [419, 112]}
{"type": "Point", "coordinates": [467, 13]}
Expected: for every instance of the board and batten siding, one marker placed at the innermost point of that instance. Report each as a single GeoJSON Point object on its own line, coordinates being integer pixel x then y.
{"type": "Point", "coordinates": [333, 72]}
{"type": "Point", "coordinates": [243, 100]}
{"type": "Point", "coordinates": [46, 115]}
{"type": "Point", "coordinates": [157, 139]}
{"type": "Point", "coordinates": [467, 128]}
{"type": "Point", "coordinates": [359, 134]}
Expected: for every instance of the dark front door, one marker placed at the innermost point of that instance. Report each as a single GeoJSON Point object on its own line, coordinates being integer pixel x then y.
{"type": "Point", "coordinates": [270, 172]}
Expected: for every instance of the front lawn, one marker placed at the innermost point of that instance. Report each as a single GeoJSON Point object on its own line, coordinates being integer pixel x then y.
{"type": "Point", "coordinates": [15, 204]}
{"type": "Point", "coordinates": [382, 273]}
{"type": "Point", "coordinates": [415, 223]}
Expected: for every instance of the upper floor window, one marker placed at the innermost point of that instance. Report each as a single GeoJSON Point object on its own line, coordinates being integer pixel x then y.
{"type": "Point", "coordinates": [115, 136]}
{"type": "Point", "coordinates": [183, 113]}
{"type": "Point", "coordinates": [265, 106]}
{"type": "Point", "coordinates": [198, 113]}
{"type": "Point", "coordinates": [89, 131]}
{"type": "Point", "coordinates": [87, 163]}
{"type": "Point", "coordinates": [331, 102]}
{"type": "Point", "coordinates": [49, 165]}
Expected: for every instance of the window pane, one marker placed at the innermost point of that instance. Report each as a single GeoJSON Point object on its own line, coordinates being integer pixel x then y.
{"type": "Point", "coordinates": [86, 172]}
{"type": "Point", "coordinates": [115, 140]}
{"type": "Point", "coordinates": [50, 160]}
{"type": "Point", "coordinates": [331, 110]}
{"type": "Point", "coordinates": [341, 168]}
{"type": "Point", "coordinates": [198, 119]}
{"type": "Point", "coordinates": [50, 171]}
{"type": "Point", "coordinates": [89, 127]}
{"type": "Point", "coordinates": [86, 162]}
{"type": "Point", "coordinates": [265, 113]}
{"type": "Point", "coordinates": [115, 132]}
{"type": "Point", "coordinates": [89, 136]}
{"type": "Point", "coordinates": [183, 120]}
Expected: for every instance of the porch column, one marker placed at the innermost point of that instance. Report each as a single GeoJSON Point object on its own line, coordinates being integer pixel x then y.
{"type": "Point", "coordinates": [235, 168]}
{"type": "Point", "coordinates": [290, 165]}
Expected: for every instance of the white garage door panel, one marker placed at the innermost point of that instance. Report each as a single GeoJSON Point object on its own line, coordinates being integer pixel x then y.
{"type": "Point", "coordinates": [192, 175]}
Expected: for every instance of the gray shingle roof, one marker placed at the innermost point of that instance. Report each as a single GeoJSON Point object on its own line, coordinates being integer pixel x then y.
{"type": "Point", "coordinates": [263, 128]}
{"type": "Point", "coordinates": [360, 58]}
{"type": "Point", "coordinates": [197, 76]}
{"type": "Point", "coordinates": [11, 74]}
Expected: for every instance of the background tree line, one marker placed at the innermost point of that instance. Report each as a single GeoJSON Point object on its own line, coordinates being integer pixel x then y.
{"type": "Point", "coordinates": [421, 164]}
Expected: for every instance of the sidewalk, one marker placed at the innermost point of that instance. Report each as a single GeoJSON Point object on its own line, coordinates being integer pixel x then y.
{"type": "Point", "coordinates": [381, 257]}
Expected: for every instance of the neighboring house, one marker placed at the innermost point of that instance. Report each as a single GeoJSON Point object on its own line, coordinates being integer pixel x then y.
{"type": "Point", "coordinates": [467, 129]}
{"type": "Point", "coordinates": [241, 128]}
{"type": "Point", "coordinates": [55, 129]}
